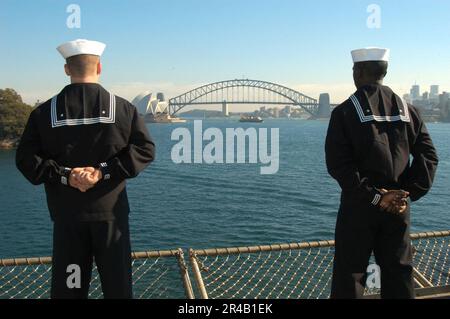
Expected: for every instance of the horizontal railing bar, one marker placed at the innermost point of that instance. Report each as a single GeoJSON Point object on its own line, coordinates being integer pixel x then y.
{"type": "Point", "coordinates": [217, 251]}
{"type": "Point", "coordinates": [25, 261]}
{"type": "Point", "coordinates": [296, 246]}
{"type": "Point", "coordinates": [48, 260]}
{"type": "Point", "coordinates": [264, 248]}
{"type": "Point", "coordinates": [432, 234]}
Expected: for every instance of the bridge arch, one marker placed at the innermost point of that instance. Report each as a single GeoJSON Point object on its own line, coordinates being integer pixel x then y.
{"type": "Point", "coordinates": [292, 97]}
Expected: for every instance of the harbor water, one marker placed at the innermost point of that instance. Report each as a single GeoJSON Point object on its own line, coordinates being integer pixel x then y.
{"type": "Point", "coordinates": [220, 205]}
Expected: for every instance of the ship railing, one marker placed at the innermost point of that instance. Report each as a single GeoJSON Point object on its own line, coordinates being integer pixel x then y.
{"type": "Point", "coordinates": [284, 271]}
{"type": "Point", "coordinates": [304, 270]}
{"type": "Point", "coordinates": [156, 275]}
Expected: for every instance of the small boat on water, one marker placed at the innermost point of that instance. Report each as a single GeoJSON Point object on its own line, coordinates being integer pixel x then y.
{"type": "Point", "coordinates": [251, 119]}
{"type": "Point", "coordinates": [162, 118]}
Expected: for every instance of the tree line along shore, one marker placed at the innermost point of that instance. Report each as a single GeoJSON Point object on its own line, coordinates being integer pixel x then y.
{"type": "Point", "coordinates": [14, 114]}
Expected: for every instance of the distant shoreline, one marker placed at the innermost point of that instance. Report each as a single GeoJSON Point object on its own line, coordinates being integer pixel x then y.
{"type": "Point", "coordinates": [10, 144]}
{"type": "Point", "coordinates": [234, 117]}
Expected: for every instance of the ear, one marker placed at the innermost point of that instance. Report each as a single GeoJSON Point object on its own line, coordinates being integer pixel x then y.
{"type": "Point", "coordinates": [356, 76]}
{"type": "Point", "coordinates": [99, 68]}
{"type": "Point", "coordinates": [66, 69]}
{"type": "Point", "coordinates": [358, 73]}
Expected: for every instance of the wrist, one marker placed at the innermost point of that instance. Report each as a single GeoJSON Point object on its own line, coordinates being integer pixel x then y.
{"type": "Point", "coordinates": [65, 175]}
{"type": "Point", "coordinates": [104, 170]}
{"type": "Point", "coordinates": [100, 173]}
{"type": "Point", "coordinates": [377, 197]}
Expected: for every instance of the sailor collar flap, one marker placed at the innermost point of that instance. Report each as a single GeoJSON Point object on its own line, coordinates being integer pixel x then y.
{"type": "Point", "coordinates": [63, 113]}
{"type": "Point", "coordinates": [380, 106]}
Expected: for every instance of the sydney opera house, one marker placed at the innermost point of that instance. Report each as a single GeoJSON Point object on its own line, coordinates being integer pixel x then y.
{"type": "Point", "coordinates": [154, 108]}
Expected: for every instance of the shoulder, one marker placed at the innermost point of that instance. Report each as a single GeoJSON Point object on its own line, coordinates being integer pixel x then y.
{"type": "Point", "coordinates": [124, 103]}
{"type": "Point", "coordinates": [120, 101]}
{"type": "Point", "coordinates": [415, 115]}
{"type": "Point", "coordinates": [125, 107]}
{"type": "Point", "coordinates": [414, 111]}
{"type": "Point", "coordinates": [343, 109]}
{"type": "Point", "coordinates": [41, 110]}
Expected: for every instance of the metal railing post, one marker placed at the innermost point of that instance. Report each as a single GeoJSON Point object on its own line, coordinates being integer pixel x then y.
{"type": "Point", "coordinates": [197, 275]}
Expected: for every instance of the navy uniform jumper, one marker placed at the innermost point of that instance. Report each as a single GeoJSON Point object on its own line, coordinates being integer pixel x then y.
{"type": "Point", "coordinates": [376, 141]}
{"type": "Point", "coordinates": [86, 126]}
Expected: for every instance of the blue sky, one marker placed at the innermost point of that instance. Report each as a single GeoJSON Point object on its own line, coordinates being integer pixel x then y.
{"type": "Point", "coordinates": [174, 45]}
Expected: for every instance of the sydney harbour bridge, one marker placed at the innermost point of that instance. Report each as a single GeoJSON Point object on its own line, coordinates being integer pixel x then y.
{"type": "Point", "coordinates": [246, 91]}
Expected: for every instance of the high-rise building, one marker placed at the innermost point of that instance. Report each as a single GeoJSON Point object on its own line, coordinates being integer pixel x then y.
{"type": "Point", "coordinates": [444, 98]}
{"type": "Point", "coordinates": [444, 106]}
{"type": "Point", "coordinates": [415, 92]}
{"type": "Point", "coordinates": [434, 92]}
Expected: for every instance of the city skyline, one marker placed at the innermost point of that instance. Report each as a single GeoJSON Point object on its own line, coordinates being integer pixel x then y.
{"type": "Point", "coordinates": [416, 92]}
{"type": "Point", "coordinates": [175, 46]}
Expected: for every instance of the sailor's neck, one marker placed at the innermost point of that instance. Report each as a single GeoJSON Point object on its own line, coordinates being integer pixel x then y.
{"type": "Point", "coordinates": [370, 83]}
{"type": "Point", "coordinates": [87, 80]}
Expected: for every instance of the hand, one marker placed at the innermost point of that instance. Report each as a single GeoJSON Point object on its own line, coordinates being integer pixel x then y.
{"type": "Point", "coordinates": [84, 178]}
{"type": "Point", "coordinates": [394, 201]}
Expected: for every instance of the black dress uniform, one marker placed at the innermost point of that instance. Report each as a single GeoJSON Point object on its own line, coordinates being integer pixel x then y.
{"type": "Point", "coordinates": [370, 139]}
{"type": "Point", "coordinates": [86, 126]}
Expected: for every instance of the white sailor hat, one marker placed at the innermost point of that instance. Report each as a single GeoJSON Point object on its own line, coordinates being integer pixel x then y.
{"type": "Point", "coordinates": [81, 46]}
{"type": "Point", "coordinates": [370, 54]}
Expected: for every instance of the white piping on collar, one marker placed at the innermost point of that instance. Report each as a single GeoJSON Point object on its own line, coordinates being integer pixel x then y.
{"type": "Point", "coordinates": [378, 118]}
{"type": "Point", "coordinates": [83, 121]}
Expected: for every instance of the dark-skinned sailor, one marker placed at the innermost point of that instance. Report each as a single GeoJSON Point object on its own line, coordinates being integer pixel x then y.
{"type": "Point", "coordinates": [83, 144]}
{"type": "Point", "coordinates": [381, 154]}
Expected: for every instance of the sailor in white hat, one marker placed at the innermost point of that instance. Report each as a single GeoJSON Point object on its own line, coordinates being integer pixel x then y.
{"type": "Point", "coordinates": [82, 55]}
{"type": "Point", "coordinates": [370, 139]}
{"type": "Point", "coordinates": [371, 54]}
{"type": "Point", "coordinates": [83, 144]}
{"type": "Point", "coordinates": [81, 46]}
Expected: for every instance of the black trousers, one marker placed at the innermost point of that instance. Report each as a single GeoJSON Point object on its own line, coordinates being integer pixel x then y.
{"type": "Point", "coordinates": [78, 243]}
{"type": "Point", "coordinates": [361, 231]}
